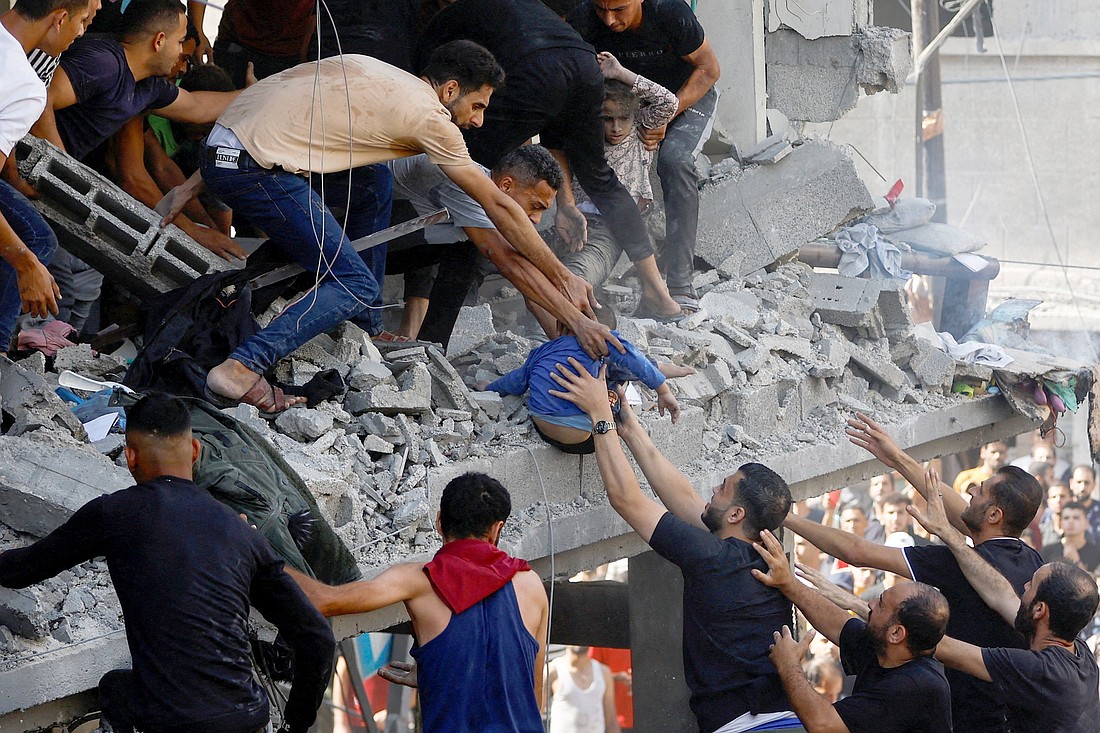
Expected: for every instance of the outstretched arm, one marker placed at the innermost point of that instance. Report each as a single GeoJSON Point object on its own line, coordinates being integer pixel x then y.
{"type": "Point", "coordinates": [848, 547]}
{"type": "Point", "coordinates": [823, 614]}
{"type": "Point", "coordinates": [963, 657]}
{"type": "Point", "coordinates": [590, 394]}
{"type": "Point", "coordinates": [869, 435]}
{"type": "Point", "coordinates": [398, 584]}
{"type": "Point", "coordinates": [993, 587]}
{"type": "Point", "coordinates": [512, 222]}
{"type": "Point", "coordinates": [673, 488]}
{"type": "Point", "coordinates": [592, 335]}
{"type": "Point", "coordinates": [832, 591]}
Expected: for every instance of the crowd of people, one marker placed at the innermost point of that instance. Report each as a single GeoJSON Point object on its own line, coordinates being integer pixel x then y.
{"type": "Point", "coordinates": [971, 618]}
{"type": "Point", "coordinates": [425, 105]}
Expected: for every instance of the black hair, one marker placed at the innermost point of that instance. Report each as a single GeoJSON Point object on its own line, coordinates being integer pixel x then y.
{"type": "Point", "coordinates": [159, 414]}
{"type": "Point", "coordinates": [924, 614]}
{"type": "Point", "coordinates": [192, 32]}
{"type": "Point", "coordinates": [39, 9]}
{"type": "Point", "coordinates": [857, 506]}
{"type": "Point", "coordinates": [149, 17]}
{"type": "Point", "coordinates": [529, 164]}
{"type": "Point", "coordinates": [1075, 505]}
{"type": "Point", "coordinates": [764, 496]}
{"type": "Point", "coordinates": [1018, 495]}
{"type": "Point", "coordinates": [471, 65]}
{"type": "Point", "coordinates": [207, 78]}
{"type": "Point", "coordinates": [621, 94]}
{"type": "Point", "coordinates": [820, 667]}
{"type": "Point", "coordinates": [896, 499]}
{"type": "Point", "coordinates": [471, 504]}
{"type": "Point", "coordinates": [1038, 468]}
{"type": "Point", "coordinates": [1070, 594]}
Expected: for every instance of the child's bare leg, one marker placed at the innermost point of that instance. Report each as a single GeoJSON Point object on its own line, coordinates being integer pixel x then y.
{"type": "Point", "coordinates": [412, 318]}
{"type": "Point", "coordinates": [672, 371]}
{"type": "Point", "coordinates": [654, 291]}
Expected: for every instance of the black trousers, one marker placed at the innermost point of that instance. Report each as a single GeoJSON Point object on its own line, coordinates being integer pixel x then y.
{"type": "Point", "coordinates": [458, 268]}
{"type": "Point", "coordinates": [557, 94]}
{"type": "Point", "coordinates": [116, 701]}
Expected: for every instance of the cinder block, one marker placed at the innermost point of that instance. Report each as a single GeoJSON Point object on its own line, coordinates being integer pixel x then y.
{"type": "Point", "coordinates": [933, 368]}
{"type": "Point", "coordinates": [176, 258]}
{"type": "Point", "coordinates": [22, 613]}
{"type": "Point", "coordinates": [845, 301]}
{"type": "Point", "coordinates": [98, 222]}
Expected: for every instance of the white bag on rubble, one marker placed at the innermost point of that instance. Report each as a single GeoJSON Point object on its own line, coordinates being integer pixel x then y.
{"type": "Point", "coordinates": [905, 214]}
{"type": "Point", "coordinates": [939, 239]}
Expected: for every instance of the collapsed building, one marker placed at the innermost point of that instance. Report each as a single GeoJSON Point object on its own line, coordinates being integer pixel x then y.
{"type": "Point", "coordinates": [783, 354]}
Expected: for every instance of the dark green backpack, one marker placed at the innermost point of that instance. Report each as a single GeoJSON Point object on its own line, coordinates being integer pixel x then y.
{"type": "Point", "coordinates": [243, 471]}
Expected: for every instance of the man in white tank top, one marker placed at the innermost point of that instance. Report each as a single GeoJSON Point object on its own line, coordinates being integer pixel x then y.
{"type": "Point", "coordinates": [582, 694]}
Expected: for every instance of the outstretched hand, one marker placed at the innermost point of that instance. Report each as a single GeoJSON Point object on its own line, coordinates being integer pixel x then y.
{"type": "Point", "coordinates": [871, 437]}
{"type": "Point", "coordinates": [934, 517]}
{"type": "Point", "coordinates": [779, 573]}
{"type": "Point", "coordinates": [400, 673]}
{"type": "Point", "coordinates": [582, 389]}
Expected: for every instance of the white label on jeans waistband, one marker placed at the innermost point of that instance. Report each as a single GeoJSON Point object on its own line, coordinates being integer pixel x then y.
{"type": "Point", "coordinates": [226, 158]}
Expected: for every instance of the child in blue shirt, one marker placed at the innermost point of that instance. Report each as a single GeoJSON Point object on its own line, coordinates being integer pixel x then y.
{"type": "Point", "coordinates": [561, 423]}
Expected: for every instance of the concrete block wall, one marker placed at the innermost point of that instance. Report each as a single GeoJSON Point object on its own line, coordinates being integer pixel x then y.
{"type": "Point", "coordinates": [98, 222]}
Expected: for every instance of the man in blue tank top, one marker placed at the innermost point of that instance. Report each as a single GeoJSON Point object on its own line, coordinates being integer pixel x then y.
{"type": "Point", "coordinates": [478, 615]}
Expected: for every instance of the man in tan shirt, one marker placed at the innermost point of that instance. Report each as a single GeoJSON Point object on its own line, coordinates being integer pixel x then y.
{"type": "Point", "coordinates": [350, 114]}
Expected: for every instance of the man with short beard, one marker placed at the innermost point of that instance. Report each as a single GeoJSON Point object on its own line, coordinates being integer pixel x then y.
{"type": "Point", "coordinates": [899, 686]}
{"type": "Point", "coordinates": [1050, 686]}
{"type": "Point", "coordinates": [1000, 509]}
{"type": "Point", "coordinates": [729, 618]}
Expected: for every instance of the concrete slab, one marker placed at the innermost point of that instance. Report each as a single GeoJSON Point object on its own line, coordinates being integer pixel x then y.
{"type": "Point", "coordinates": [844, 301]}
{"type": "Point", "coordinates": [42, 485]}
{"type": "Point", "coordinates": [766, 212]}
{"type": "Point", "coordinates": [812, 18]}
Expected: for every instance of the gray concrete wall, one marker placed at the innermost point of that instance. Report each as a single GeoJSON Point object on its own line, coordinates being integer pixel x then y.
{"type": "Point", "coordinates": [1053, 52]}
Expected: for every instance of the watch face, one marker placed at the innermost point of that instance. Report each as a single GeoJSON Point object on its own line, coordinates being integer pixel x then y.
{"type": "Point", "coordinates": [602, 427]}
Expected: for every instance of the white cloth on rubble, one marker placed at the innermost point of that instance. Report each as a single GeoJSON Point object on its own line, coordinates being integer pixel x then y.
{"type": "Point", "coordinates": [864, 249]}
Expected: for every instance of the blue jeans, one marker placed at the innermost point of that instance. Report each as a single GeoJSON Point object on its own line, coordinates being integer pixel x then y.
{"type": "Point", "coordinates": [36, 234]}
{"type": "Point", "coordinates": [297, 221]}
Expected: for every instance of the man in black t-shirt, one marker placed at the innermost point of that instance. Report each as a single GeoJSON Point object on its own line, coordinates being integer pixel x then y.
{"type": "Point", "coordinates": [555, 90]}
{"type": "Point", "coordinates": [1051, 685]}
{"type": "Point", "coordinates": [186, 569]}
{"type": "Point", "coordinates": [1074, 546]}
{"type": "Point", "coordinates": [899, 687]}
{"type": "Point", "coordinates": [729, 618]}
{"type": "Point", "coordinates": [663, 40]}
{"type": "Point", "coordinates": [103, 83]}
{"type": "Point", "coordinates": [1000, 509]}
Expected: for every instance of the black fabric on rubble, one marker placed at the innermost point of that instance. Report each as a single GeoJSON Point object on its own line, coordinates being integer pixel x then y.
{"type": "Point", "coordinates": [190, 330]}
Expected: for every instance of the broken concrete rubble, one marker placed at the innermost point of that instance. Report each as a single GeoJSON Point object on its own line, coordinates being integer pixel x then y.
{"type": "Point", "coordinates": [819, 80]}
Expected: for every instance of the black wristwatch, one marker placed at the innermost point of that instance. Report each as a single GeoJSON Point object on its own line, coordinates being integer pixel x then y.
{"type": "Point", "coordinates": [603, 427]}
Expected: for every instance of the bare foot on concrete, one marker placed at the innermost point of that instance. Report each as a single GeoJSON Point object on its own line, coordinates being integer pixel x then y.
{"type": "Point", "coordinates": [660, 304]}
{"type": "Point", "coordinates": [232, 380]}
{"type": "Point", "coordinates": [672, 371]}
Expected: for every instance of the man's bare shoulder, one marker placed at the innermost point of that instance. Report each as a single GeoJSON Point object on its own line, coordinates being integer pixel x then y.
{"type": "Point", "coordinates": [529, 586]}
